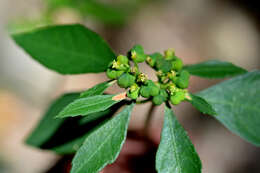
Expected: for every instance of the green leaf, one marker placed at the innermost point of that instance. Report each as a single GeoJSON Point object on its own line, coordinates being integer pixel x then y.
{"type": "Point", "coordinates": [97, 89]}
{"type": "Point", "coordinates": [106, 13]}
{"type": "Point", "coordinates": [202, 105]}
{"type": "Point", "coordinates": [215, 69]}
{"type": "Point", "coordinates": [70, 147]}
{"type": "Point", "coordinates": [67, 49]}
{"type": "Point", "coordinates": [54, 4]}
{"type": "Point", "coordinates": [48, 125]}
{"type": "Point", "coordinates": [237, 104]}
{"type": "Point", "coordinates": [80, 130]}
{"type": "Point", "coordinates": [103, 145]}
{"type": "Point", "coordinates": [88, 105]}
{"type": "Point", "coordinates": [176, 153]}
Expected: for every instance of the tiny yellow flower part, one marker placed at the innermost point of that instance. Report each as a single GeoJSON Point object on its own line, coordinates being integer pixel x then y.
{"type": "Point", "coordinates": [169, 54]}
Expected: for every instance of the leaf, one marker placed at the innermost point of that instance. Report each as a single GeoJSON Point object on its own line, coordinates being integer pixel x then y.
{"type": "Point", "coordinates": [67, 49]}
{"type": "Point", "coordinates": [176, 153]}
{"type": "Point", "coordinates": [97, 89]}
{"type": "Point", "coordinates": [103, 145]}
{"type": "Point", "coordinates": [70, 147]}
{"type": "Point", "coordinates": [237, 104]}
{"type": "Point", "coordinates": [88, 105]}
{"type": "Point", "coordinates": [77, 132]}
{"type": "Point", "coordinates": [215, 69]}
{"type": "Point", "coordinates": [106, 13]}
{"type": "Point", "coordinates": [202, 105]}
{"type": "Point", "coordinates": [48, 125]}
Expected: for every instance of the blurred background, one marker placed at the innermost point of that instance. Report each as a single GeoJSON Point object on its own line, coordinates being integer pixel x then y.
{"type": "Point", "coordinates": [197, 30]}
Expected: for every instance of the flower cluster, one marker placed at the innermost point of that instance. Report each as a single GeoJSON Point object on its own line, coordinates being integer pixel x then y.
{"type": "Point", "coordinates": [172, 79]}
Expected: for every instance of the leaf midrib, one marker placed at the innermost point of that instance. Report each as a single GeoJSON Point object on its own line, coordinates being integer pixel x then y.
{"type": "Point", "coordinates": [57, 49]}
{"type": "Point", "coordinates": [174, 143]}
{"type": "Point", "coordinates": [102, 144]}
{"type": "Point", "coordinates": [90, 105]}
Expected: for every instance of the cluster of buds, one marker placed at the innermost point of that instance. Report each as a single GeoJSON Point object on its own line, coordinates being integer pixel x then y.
{"type": "Point", "coordinates": [172, 81]}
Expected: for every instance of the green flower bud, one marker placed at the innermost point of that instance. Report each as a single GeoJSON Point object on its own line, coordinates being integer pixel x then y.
{"type": "Point", "coordinates": [157, 100]}
{"type": "Point", "coordinates": [122, 59]}
{"type": "Point", "coordinates": [119, 73]}
{"type": "Point", "coordinates": [111, 74]}
{"type": "Point", "coordinates": [154, 89]}
{"type": "Point", "coordinates": [126, 80]}
{"type": "Point", "coordinates": [145, 91]}
{"type": "Point", "coordinates": [137, 54]}
{"type": "Point", "coordinates": [177, 64]}
{"type": "Point", "coordinates": [177, 98]}
{"type": "Point", "coordinates": [123, 67]}
{"type": "Point", "coordinates": [133, 93]}
{"type": "Point", "coordinates": [164, 93]}
{"type": "Point", "coordinates": [183, 80]}
{"type": "Point", "coordinates": [169, 54]}
{"type": "Point", "coordinates": [163, 65]}
{"type": "Point", "coordinates": [151, 59]}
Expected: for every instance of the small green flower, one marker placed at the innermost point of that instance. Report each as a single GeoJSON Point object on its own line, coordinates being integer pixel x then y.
{"type": "Point", "coordinates": [145, 91]}
{"type": "Point", "coordinates": [123, 67]}
{"type": "Point", "coordinates": [137, 54]}
{"type": "Point", "coordinates": [111, 74]}
{"type": "Point", "coordinates": [151, 59]}
{"type": "Point", "coordinates": [183, 79]}
{"type": "Point", "coordinates": [169, 54]}
{"type": "Point", "coordinates": [126, 80]}
{"type": "Point", "coordinates": [177, 97]}
{"type": "Point", "coordinates": [133, 93]}
{"type": "Point", "coordinates": [158, 100]}
{"type": "Point", "coordinates": [154, 89]}
{"type": "Point", "coordinates": [177, 64]}
{"type": "Point", "coordinates": [163, 65]}
{"type": "Point", "coordinates": [122, 59]}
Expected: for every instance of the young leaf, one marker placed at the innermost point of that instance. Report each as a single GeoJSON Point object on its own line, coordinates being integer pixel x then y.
{"type": "Point", "coordinates": [48, 125]}
{"type": "Point", "coordinates": [103, 145]}
{"type": "Point", "coordinates": [88, 105]}
{"type": "Point", "coordinates": [202, 105]}
{"type": "Point", "coordinates": [237, 104]}
{"type": "Point", "coordinates": [176, 153]}
{"type": "Point", "coordinates": [97, 89]}
{"type": "Point", "coordinates": [215, 69]}
{"type": "Point", "coordinates": [67, 49]}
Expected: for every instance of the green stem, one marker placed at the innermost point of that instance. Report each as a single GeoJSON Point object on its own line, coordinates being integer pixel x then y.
{"type": "Point", "coordinates": [142, 101]}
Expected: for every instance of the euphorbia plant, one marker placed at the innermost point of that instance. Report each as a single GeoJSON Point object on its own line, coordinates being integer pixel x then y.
{"type": "Point", "coordinates": [74, 49]}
